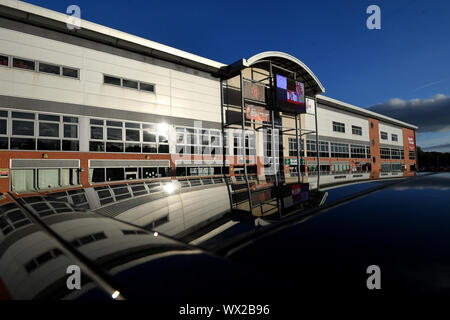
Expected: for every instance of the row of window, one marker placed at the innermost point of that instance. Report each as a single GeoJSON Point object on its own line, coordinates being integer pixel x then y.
{"type": "Point", "coordinates": [337, 150]}
{"type": "Point", "coordinates": [39, 66]}
{"type": "Point", "coordinates": [201, 171]}
{"type": "Point", "coordinates": [30, 131]}
{"type": "Point", "coordinates": [340, 127]}
{"type": "Point", "coordinates": [388, 153]}
{"type": "Point", "coordinates": [32, 179]}
{"type": "Point", "coordinates": [384, 136]}
{"type": "Point", "coordinates": [391, 167]}
{"type": "Point", "coordinates": [127, 83]}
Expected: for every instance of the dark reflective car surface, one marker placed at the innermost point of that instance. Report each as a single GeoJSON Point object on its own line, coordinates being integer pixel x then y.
{"type": "Point", "coordinates": [165, 241]}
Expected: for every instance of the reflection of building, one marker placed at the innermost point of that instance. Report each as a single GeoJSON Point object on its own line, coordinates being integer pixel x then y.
{"type": "Point", "coordinates": [98, 105]}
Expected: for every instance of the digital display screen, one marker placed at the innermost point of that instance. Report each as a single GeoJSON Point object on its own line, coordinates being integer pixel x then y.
{"type": "Point", "coordinates": [290, 95]}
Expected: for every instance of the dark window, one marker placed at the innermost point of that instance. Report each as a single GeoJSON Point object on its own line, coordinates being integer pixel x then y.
{"type": "Point", "coordinates": [70, 131]}
{"type": "Point", "coordinates": [98, 175]}
{"type": "Point", "coordinates": [23, 144]}
{"type": "Point", "coordinates": [132, 147]}
{"type": "Point", "coordinates": [96, 146]}
{"type": "Point", "coordinates": [70, 119]}
{"type": "Point", "coordinates": [48, 129]}
{"type": "Point", "coordinates": [3, 143]}
{"type": "Point", "coordinates": [70, 145]}
{"type": "Point", "coordinates": [150, 173]}
{"type": "Point", "coordinates": [132, 135]}
{"type": "Point", "coordinates": [149, 148]}
{"type": "Point", "coordinates": [114, 123]}
{"type": "Point", "coordinates": [48, 144]}
{"type": "Point", "coordinates": [96, 132]}
{"type": "Point", "coordinates": [147, 87]}
{"type": "Point", "coordinates": [338, 127]}
{"type": "Point", "coordinates": [111, 80]}
{"type": "Point", "coordinates": [48, 117]}
{"type": "Point", "coordinates": [115, 174]}
{"type": "Point", "coordinates": [180, 171]}
{"type": "Point", "coordinates": [114, 134]}
{"type": "Point", "coordinates": [412, 155]}
{"type": "Point", "coordinates": [371, 124]}
{"type": "Point", "coordinates": [23, 64]}
{"type": "Point", "coordinates": [164, 172]}
{"type": "Point", "coordinates": [130, 84]}
{"type": "Point", "coordinates": [22, 128]}
{"type": "Point", "coordinates": [3, 113]}
{"type": "Point", "coordinates": [49, 68]}
{"type": "Point", "coordinates": [69, 72]}
{"type": "Point", "coordinates": [97, 122]}
{"type": "Point", "coordinates": [132, 125]}
{"type": "Point", "coordinates": [23, 115]}
{"type": "Point", "coordinates": [384, 135]}
{"type": "Point", "coordinates": [3, 60]}
{"type": "Point", "coordinates": [163, 148]}
{"type": "Point", "coordinates": [394, 137]}
{"type": "Point", "coordinates": [357, 130]}
{"type": "Point", "coordinates": [3, 126]}
{"type": "Point", "coordinates": [114, 147]}
{"type": "Point", "coordinates": [149, 137]}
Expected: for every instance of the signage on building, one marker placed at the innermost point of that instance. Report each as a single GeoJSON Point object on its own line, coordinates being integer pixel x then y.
{"type": "Point", "coordinates": [4, 173]}
{"type": "Point", "coordinates": [293, 162]}
{"type": "Point", "coordinates": [310, 106]}
{"type": "Point", "coordinates": [290, 95]}
{"type": "Point", "coordinates": [254, 91]}
{"type": "Point", "coordinates": [257, 113]}
{"type": "Point", "coordinates": [412, 145]}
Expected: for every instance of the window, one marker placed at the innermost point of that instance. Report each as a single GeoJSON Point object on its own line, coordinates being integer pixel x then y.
{"type": "Point", "coordinates": [70, 72]}
{"type": "Point", "coordinates": [396, 154]}
{"type": "Point", "coordinates": [111, 80]}
{"type": "Point", "coordinates": [339, 150]}
{"type": "Point", "coordinates": [394, 137]}
{"type": "Point", "coordinates": [384, 135]}
{"type": "Point", "coordinates": [324, 150]}
{"type": "Point", "coordinates": [4, 60]}
{"type": "Point", "coordinates": [40, 178]}
{"type": "Point", "coordinates": [412, 155]}
{"type": "Point", "coordinates": [367, 152]}
{"type": "Point", "coordinates": [310, 148]}
{"type": "Point", "coordinates": [4, 143]}
{"type": "Point", "coordinates": [341, 167]}
{"type": "Point", "coordinates": [115, 138]}
{"type": "Point", "coordinates": [357, 130]}
{"type": "Point", "coordinates": [127, 83]}
{"type": "Point", "coordinates": [396, 167]}
{"type": "Point", "coordinates": [147, 87]}
{"type": "Point", "coordinates": [358, 151]}
{"type": "Point", "coordinates": [385, 153]}
{"type": "Point", "coordinates": [293, 147]}
{"type": "Point", "coordinates": [24, 64]}
{"type": "Point", "coordinates": [22, 128]}
{"type": "Point", "coordinates": [42, 67]}
{"type": "Point", "coordinates": [338, 127]}
{"type": "Point", "coordinates": [49, 68]}
{"type": "Point", "coordinates": [130, 84]}
{"type": "Point", "coordinates": [385, 167]}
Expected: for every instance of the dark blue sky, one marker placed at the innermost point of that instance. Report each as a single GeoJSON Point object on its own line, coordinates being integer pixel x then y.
{"type": "Point", "coordinates": [407, 59]}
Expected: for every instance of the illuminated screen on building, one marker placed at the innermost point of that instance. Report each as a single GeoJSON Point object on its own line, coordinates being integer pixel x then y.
{"type": "Point", "coordinates": [290, 95]}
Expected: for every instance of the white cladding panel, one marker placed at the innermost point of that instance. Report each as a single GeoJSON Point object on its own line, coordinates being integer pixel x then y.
{"type": "Point", "coordinates": [325, 117]}
{"type": "Point", "coordinates": [176, 94]}
{"type": "Point", "coordinates": [390, 129]}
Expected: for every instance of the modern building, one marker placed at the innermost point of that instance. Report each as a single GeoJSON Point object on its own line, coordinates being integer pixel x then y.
{"type": "Point", "coordinates": [90, 105]}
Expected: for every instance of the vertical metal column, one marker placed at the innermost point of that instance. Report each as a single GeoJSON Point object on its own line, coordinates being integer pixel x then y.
{"type": "Point", "coordinates": [298, 148]}
{"type": "Point", "coordinates": [272, 138]}
{"type": "Point", "coordinates": [317, 143]}
{"type": "Point", "coordinates": [224, 154]}
{"type": "Point", "coordinates": [250, 201]}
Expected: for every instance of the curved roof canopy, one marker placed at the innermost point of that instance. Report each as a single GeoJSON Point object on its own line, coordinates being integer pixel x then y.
{"type": "Point", "coordinates": [285, 61]}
